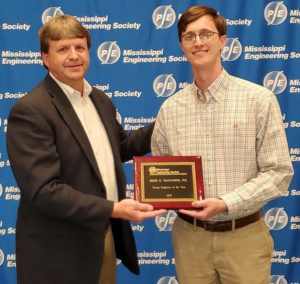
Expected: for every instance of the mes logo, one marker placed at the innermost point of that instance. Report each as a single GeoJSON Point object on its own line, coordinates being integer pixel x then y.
{"type": "Point", "coordinates": [167, 280]}
{"type": "Point", "coordinates": [232, 50]}
{"type": "Point", "coordinates": [276, 219]}
{"type": "Point", "coordinates": [165, 221]}
{"type": "Point", "coordinates": [109, 52]}
{"type": "Point", "coordinates": [1, 257]}
{"type": "Point", "coordinates": [164, 85]}
{"type": "Point", "coordinates": [163, 17]}
{"type": "Point", "coordinates": [275, 13]}
{"type": "Point", "coordinates": [51, 13]}
{"type": "Point", "coordinates": [278, 279]}
{"type": "Point", "coordinates": [275, 81]}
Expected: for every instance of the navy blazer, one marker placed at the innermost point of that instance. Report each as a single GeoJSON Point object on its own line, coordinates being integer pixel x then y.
{"type": "Point", "coordinates": [63, 211]}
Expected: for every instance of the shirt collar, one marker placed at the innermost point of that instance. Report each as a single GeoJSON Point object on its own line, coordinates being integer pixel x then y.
{"type": "Point", "coordinates": [71, 93]}
{"type": "Point", "coordinates": [217, 89]}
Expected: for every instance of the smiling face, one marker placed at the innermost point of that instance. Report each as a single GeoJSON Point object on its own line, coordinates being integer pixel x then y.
{"type": "Point", "coordinates": [68, 60]}
{"type": "Point", "coordinates": [203, 54]}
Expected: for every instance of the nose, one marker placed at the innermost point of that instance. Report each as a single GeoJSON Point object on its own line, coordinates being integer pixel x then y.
{"type": "Point", "coordinates": [73, 53]}
{"type": "Point", "coordinates": [198, 40]}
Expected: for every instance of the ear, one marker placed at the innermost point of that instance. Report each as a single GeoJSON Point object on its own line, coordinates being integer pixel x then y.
{"type": "Point", "coordinates": [45, 58]}
{"type": "Point", "coordinates": [223, 40]}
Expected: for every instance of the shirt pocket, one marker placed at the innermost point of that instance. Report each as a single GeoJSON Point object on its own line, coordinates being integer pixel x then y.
{"type": "Point", "coordinates": [238, 139]}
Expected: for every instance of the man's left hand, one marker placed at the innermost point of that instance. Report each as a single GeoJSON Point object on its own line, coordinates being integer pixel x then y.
{"type": "Point", "coordinates": [206, 208]}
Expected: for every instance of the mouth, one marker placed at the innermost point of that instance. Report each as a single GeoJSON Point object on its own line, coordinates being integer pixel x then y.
{"type": "Point", "coordinates": [200, 52]}
{"type": "Point", "coordinates": [74, 67]}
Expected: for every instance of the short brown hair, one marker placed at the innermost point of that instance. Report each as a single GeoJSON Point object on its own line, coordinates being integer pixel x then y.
{"type": "Point", "coordinates": [194, 13]}
{"type": "Point", "coordinates": [62, 27]}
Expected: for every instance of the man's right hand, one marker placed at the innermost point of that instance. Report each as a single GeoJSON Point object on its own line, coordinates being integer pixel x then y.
{"type": "Point", "coordinates": [131, 210]}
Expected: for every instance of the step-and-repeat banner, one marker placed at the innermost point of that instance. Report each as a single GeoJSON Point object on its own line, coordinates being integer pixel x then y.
{"type": "Point", "coordinates": [137, 61]}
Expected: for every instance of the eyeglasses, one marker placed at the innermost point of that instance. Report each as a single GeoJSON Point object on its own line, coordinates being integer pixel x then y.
{"type": "Point", "coordinates": [191, 38]}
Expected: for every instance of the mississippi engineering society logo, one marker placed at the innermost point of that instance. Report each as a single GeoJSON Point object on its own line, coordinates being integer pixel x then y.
{"type": "Point", "coordinates": [165, 221]}
{"type": "Point", "coordinates": [275, 13]}
{"type": "Point", "coordinates": [278, 279]}
{"type": "Point", "coordinates": [109, 52]}
{"type": "Point", "coordinates": [276, 219]}
{"type": "Point", "coordinates": [164, 85]}
{"type": "Point", "coordinates": [167, 280]}
{"type": "Point", "coordinates": [1, 257]}
{"type": "Point", "coordinates": [232, 50]}
{"type": "Point", "coordinates": [51, 13]}
{"type": "Point", "coordinates": [275, 81]}
{"type": "Point", "coordinates": [163, 17]}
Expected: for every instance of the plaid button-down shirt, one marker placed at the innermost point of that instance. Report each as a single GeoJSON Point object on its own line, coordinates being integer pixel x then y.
{"type": "Point", "coordinates": [237, 129]}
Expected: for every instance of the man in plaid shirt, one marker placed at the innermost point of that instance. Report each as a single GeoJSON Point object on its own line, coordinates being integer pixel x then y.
{"type": "Point", "coordinates": [236, 127]}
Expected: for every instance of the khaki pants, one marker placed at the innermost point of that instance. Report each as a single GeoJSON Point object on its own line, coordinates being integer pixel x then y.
{"type": "Point", "coordinates": [109, 270]}
{"type": "Point", "coordinates": [242, 256]}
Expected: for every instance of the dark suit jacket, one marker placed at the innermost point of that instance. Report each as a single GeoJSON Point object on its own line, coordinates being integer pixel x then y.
{"type": "Point", "coordinates": [63, 212]}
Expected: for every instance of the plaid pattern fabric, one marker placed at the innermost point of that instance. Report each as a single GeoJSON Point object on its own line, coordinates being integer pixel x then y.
{"type": "Point", "coordinates": [237, 129]}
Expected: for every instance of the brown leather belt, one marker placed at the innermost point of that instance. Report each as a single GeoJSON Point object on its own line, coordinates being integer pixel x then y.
{"type": "Point", "coordinates": [222, 226]}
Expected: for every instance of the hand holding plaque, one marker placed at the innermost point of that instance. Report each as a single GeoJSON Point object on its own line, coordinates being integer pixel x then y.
{"type": "Point", "coordinates": [170, 182]}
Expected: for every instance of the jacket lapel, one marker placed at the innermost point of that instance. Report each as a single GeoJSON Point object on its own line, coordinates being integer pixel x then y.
{"type": "Point", "coordinates": [67, 112]}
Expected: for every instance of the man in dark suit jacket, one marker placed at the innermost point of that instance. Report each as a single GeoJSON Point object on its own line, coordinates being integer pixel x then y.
{"type": "Point", "coordinates": [65, 209]}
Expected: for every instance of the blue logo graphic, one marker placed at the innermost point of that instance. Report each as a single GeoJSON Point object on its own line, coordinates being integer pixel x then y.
{"type": "Point", "coordinates": [165, 221]}
{"type": "Point", "coordinates": [51, 13]}
{"type": "Point", "coordinates": [275, 13]}
{"type": "Point", "coordinates": [276, 219]}
{"type": "Point", "coordinates": [164, 85]}
{"type": "Point", "coordinates": [108, 52]}
{"type": "Point", "coordinates": [278, 279]}
{"type": "Point", "coordinates": [232, 50]}
{"type": "Point", "coordinates": [163, 17]}
{"type": "Point", "coordinates": [119, 117]}
{"type": "Point", "coordinates": [275, 81]}
{"type": "Point", "coordinates": [1, 257]}
{"type": "Point", "coordinates": [167, 280]}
